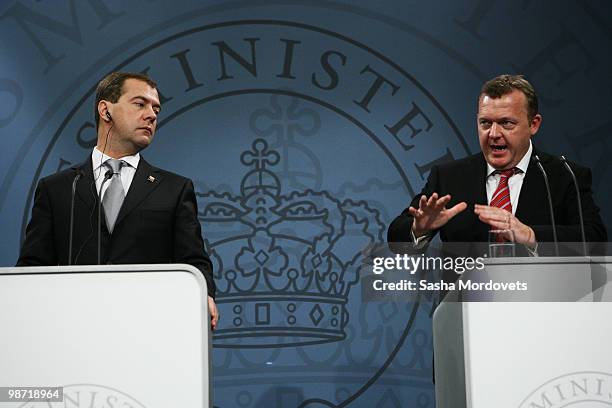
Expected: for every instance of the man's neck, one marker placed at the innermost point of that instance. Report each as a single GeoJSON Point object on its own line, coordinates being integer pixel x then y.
{"type": "Point", "coordinates": [115, 154]}
{"type": "Point", "coordinates": [118, 155]}
{"type": "Point", "coordinates": [112, 151]}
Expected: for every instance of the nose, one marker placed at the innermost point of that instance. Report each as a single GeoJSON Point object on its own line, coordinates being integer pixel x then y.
{"type": "Point", "coordinates": [150, 114]}
{"type": "Point", "coordinates": [495, 130]}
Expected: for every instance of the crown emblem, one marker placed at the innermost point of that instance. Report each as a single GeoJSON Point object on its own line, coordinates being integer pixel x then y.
{"type": "Point", "coordinates": [284, 264]}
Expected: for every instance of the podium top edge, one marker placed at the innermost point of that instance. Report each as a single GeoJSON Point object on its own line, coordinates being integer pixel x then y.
{"type": "Point", "coordinates": [550, 260]}
{"type": "Point", "coordinates": [123, 268]}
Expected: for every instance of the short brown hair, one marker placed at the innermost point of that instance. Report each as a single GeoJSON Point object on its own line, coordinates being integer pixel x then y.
{"type": "Point", "coordinates": [504, 84]}
{"type": "Point", "coordinates": [110, 88]}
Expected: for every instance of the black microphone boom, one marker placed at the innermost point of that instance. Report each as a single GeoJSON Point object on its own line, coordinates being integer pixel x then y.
{"type": "Point", "coordinates": [550, 205]}
{"type": "Point", "coordinates": [568, 167]}
{"type": "Point", "coordinates": [107, 177]}
{"type": "Point", "coordinates": [76, 179]}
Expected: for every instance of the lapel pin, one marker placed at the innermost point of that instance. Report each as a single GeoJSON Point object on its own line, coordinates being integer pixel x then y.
{"type": "Point", "coordinates": [151, 179]}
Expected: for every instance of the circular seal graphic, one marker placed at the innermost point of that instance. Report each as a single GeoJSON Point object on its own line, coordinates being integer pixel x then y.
{"type": "Point", "coordinates": [582, 389]}
{"type": "Point", "coordinates": [301, 143]}
{"type": "Point", "coordinates": [89, 395]}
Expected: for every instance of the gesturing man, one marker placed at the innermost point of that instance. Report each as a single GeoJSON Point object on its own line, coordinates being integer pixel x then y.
{"type": "Point", "coordinates": [149, 214]}
{"type": "Point", "coordinates": [500, 188]}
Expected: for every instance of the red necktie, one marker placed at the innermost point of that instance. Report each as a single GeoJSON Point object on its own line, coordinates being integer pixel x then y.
{"type": "Point", "coordinates": [501, 196]}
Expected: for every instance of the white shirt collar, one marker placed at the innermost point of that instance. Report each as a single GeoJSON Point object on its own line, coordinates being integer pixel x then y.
{"type": "Point", "coordinates": [522, 164]}
{"type": "Point", "coordinates": [98, 159]}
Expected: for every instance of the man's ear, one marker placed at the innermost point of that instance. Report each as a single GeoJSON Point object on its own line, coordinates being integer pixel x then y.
{"type": "Point", "coordinates": [103, 111]}
{"type": "Point", "coordinates": [534, 126]}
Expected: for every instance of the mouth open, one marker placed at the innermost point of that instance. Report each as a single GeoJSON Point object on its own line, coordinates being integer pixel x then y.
{"type": "Point", "coordinates": [498, 148]}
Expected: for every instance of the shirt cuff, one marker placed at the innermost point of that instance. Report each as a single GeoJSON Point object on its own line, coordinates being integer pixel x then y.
{"type": "Point", "coordinates": [532, 251]}
{"type": "Point", "coordinates": [420, 242]}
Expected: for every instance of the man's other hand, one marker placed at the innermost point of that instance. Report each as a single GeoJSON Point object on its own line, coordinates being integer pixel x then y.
{"type": "Point", "coordinates": [500, 219]}
{"type": "Point", "coordinates": [214, 313]}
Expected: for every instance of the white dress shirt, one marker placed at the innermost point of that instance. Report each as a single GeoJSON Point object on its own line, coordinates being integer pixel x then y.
{"type": "Point", "coordinates": [515, 183]}
{"type": "Point", "coordinates": [99, 169]}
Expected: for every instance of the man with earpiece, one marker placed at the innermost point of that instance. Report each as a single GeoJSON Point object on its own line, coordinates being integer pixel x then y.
{"type": "Point", "coordinates": [123, 210]}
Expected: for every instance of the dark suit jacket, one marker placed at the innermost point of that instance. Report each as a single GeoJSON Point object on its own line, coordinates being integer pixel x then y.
{"type": "Point", "coordinates": [465, 180]}
{"type": "Point", "coordinates": [157, 222]}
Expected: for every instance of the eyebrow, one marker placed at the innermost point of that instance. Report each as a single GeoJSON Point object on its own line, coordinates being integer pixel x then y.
{"type": "Point", "coordinates": [505, 118]}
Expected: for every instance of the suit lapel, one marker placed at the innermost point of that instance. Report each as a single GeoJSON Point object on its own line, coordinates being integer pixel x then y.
{"type": "Point", "coordinates": [86, 187]}
{"type": "Point", "coordinates": [146, 179]}
{"type": "Point", "coordinates": [479, 173]}
{"type": "Point", "coordinates": [531, 189]}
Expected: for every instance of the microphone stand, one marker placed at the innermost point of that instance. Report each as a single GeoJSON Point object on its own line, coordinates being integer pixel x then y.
{"type": "Point", "coordinates": [550, 205]}
{"type": "Point", "coordinates": [568, 167]}
{"type": "Point", "coordinates": [76, 179]}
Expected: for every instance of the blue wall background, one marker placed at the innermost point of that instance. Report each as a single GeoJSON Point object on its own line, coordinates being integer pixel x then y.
{"type": "Point", "coordinates": [337, 108]}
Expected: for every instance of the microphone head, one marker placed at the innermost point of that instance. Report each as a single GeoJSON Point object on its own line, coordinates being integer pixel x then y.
{"type": "Point", "coordinates": [536, 158]}
{"type": "Point", "coordinates": [563, 159]}
{"type": "Point", "coordinates": [78, 172]}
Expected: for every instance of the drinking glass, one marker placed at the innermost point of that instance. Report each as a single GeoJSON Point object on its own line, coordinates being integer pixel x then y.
{"type": "Point", "coordinates": [501, 244]}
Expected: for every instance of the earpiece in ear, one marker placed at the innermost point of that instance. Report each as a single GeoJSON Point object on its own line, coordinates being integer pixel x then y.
{"type": "Point", "coordinates": [108, 116]}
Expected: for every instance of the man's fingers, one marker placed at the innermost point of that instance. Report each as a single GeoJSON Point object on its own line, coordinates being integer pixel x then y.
{"type": "Point", "coordinates": [415, 212]}
{"type": "Point", "coordinates": [490, 211]}
{"type": "Point", "coordinates": [422, 202]}
{"type": "Point", "coordinates": [496, 214]}
{"type": "Point", "coordinates": [214, 313]}
{"type": "Point", "coordinates": [498, 218]}
{"type": "Point", "coordinates": [433, 204]}
{"type": "Point", "coordinates": [214, 319]}
{"type": "Point", "coordinates": [456, 209]}
{"type": "Point", "coordinates": [442, 202]}
{"type": "Point", "coordinates": [432, 200]}
{"type": "Point", "coordinates": [500, 225]}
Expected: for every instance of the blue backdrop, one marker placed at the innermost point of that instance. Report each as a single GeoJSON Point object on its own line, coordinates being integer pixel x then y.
{"type": "Point", "coordinates": [338, 109]}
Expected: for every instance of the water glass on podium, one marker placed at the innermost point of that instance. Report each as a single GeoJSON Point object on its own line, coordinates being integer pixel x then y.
{"type": "Point", "coordinates": [501, 244]}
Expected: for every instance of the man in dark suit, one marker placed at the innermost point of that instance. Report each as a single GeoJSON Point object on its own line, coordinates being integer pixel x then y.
{"type": "Point", "coordinates": [149, 214]}
{"type": "Point", "coordinates": [501, 188]}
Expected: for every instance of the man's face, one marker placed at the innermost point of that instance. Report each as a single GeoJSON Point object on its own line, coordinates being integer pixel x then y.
{"type": "Point", "coordinates": [504, 129]}
{"type": "Point", "coordinates": [134, 116]}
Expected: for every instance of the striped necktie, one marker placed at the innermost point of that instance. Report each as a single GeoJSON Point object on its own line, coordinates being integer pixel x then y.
{"type": "Point", "coordinates": [501, 196]}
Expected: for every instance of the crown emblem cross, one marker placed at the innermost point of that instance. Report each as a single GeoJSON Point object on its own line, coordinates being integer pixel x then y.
{"type": "Point", "coordinates": [260, 156]}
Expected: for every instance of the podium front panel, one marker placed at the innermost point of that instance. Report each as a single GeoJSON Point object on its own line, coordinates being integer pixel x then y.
{"type": "Point", "coordinates": [529, 350]}
{"type": "Point", "coordinates": [120, 336]}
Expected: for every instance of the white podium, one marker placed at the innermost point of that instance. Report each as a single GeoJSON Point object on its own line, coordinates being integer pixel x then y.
{"type": "Point", "coordinates": [549, 346]}
{"type": "Point", "coordinates": [121, 335]}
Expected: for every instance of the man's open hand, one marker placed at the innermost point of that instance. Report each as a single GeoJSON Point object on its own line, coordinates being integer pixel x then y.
{"type": "Point", "coordinates": [432, 213]}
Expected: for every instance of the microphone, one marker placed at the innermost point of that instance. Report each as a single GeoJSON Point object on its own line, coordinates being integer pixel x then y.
{"type": "Point", "coordinates": [569, 168]}
{"type": "Point", "coordinates": [107, 176]}
{"type": "Point", "coordinates": [76, 179]}
{"type": "Point", "coordinates": [550, 205]}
